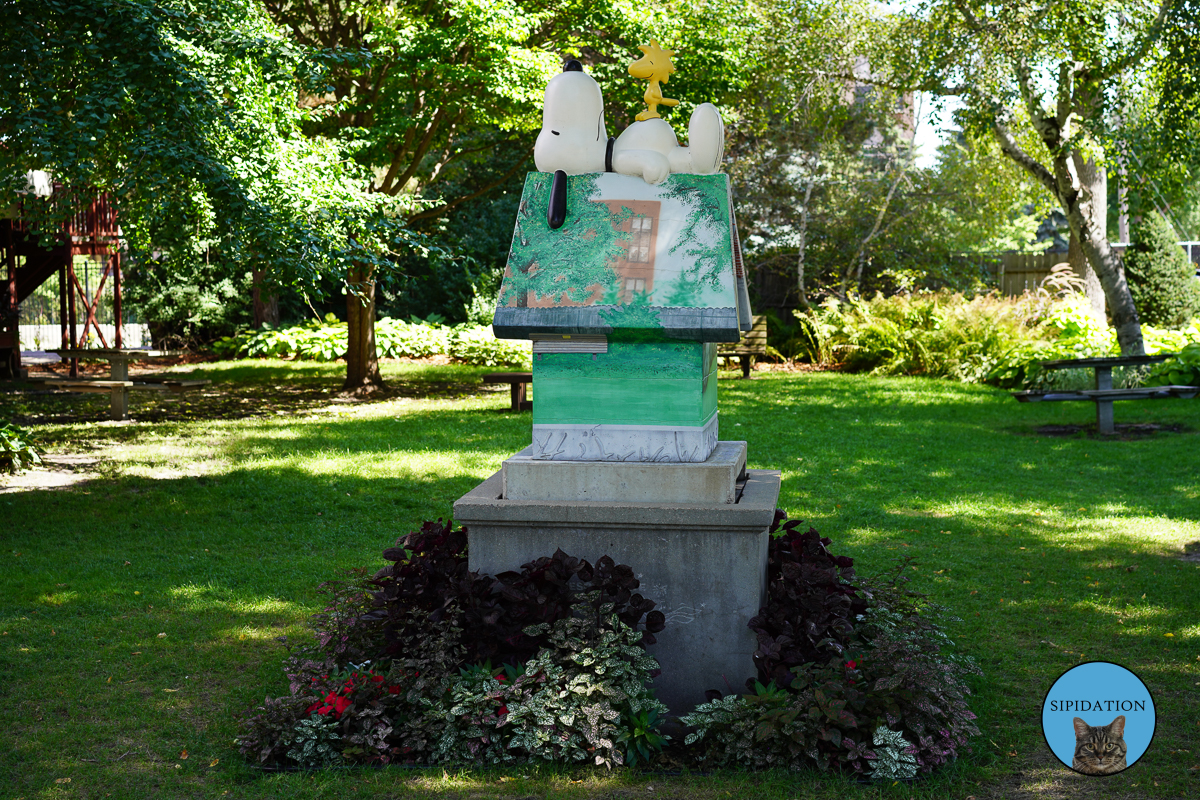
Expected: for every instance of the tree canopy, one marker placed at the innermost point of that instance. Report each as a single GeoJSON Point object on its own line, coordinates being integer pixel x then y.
{"type": "Point", "coordinates": [447, 102]}
{"type": "Point", "coordinates": [1054, 84]}
{"type": "Point", "coordinates": [185, 111]}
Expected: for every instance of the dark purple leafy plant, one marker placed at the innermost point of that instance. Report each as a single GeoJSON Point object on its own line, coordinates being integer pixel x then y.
{"type": "Point", "coordinates": [430, 574]}
{"type": "Point", "coordinates": [812, 605]}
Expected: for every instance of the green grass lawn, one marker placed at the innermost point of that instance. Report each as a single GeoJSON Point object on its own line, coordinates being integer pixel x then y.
{"type": "Point", "coordinates": [139, 609]}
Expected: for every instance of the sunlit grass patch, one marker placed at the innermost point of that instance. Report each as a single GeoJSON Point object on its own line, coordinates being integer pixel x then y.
{"type": "Point", "coordinates": [229, 525]}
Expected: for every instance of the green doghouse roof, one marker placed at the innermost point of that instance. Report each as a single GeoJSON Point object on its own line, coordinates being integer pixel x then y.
{"type": "Point", "coordinates": [630, 257]}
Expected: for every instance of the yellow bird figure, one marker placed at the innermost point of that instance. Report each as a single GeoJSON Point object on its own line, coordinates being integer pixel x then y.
{"type": "Point", "coordinates": [656, 67]}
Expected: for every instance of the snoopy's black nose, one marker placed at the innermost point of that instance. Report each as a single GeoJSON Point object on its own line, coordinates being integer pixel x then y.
{"type": "Point", "coordinates": [573, 65]}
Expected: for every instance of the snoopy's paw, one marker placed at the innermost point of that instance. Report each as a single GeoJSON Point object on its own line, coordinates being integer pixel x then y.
{"type": "Point", "coordinates": [706, 138]}
{"type": "Point", "coordinates": [656, 172]}
{"type": "Point", "coordinates": [649, 165]}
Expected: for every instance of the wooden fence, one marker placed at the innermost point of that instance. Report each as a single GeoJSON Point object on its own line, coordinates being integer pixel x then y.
{"type": "Point", "coordinates": [1016, 273]}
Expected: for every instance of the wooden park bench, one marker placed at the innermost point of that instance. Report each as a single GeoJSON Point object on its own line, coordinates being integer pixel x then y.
{"type": "Point", "coordinates": [753, 345]}
{"type": "Point", "coordinates": [1104, 394]}
{"type": "Point", "coordinates": [517, 382]}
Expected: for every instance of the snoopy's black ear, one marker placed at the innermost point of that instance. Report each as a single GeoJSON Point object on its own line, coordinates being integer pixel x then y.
{"type": "Point", "coordinates": [573, 65]}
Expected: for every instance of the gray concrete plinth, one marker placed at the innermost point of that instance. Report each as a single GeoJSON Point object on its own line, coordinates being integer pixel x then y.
{"type": "Point", "coordinates": [703, 564]}
{"type": "Point", "coordinates": [711, 481]}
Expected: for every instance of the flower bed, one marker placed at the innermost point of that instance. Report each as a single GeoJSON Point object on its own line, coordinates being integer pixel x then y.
{"type": "Point", "coordinates": [426, 662]}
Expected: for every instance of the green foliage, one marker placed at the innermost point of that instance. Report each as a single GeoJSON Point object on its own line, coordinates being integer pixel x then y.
{"type": "Point", "coordinates": [1182, 370]}
{"type": "Point", "coordinates": [985, 339]}
{"type": "Point", "coordinates": [893, 756]}
{"type": "Point", "coordinates": [1161, 278]}
{"type": "Point", "coordinates": [312, 743]}
{"type": "Point", "coordinates": [267, 735]}
{"type": "Point", "coordinates": [186, 112]}
{"type": "Point", "coordinates": [450, 94]}
{"type": "Point", "coordinates": [425, 622]}
{"type": "Point", "coordinates": [477, 345]}
{"type": "Point", "coordinates": [567, 704]}
{"type": "Point", "coordinates": [325, 340]}
{"type": "Point", "coordinates": [187, 300]}
{"type": "Point", "coordinates": [939, 334]}
{"type": "Point", "coordinates": [639, 735]}
{"type": "Point", "coordinates": [18, 450]}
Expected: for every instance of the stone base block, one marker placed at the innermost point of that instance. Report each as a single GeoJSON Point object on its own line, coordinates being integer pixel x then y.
{"type": "Point", "coordinates": [623, 443]}
{"type": "Point", "coordinates": [703, 564]}
{"type": "Point", "coordinates": [715, 480]}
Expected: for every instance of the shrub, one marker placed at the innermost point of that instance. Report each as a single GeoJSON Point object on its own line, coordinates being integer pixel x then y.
{"type": "Point", "coordinates": [398, 339]}
{"type": "Point", "coordinates": [17, 449]}
{"type": "Point", "coordinates": [401, 665]}
{"type": "Point", "coordinates": [860, 675]}
{"type": "Point", "coordinates": [587, 685]}
{"type": "Point", "coordinates": [939, 334]}
{"type": "Point", "coordinates": [478, 346]}
{"type": "Point", "coordinates": [325, 340]}
{"type": "Point", "coordinates": [1161, 278]}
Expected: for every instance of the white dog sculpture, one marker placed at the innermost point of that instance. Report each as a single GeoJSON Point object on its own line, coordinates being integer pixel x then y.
{"type": "Point", "coordinates": [573, 137]}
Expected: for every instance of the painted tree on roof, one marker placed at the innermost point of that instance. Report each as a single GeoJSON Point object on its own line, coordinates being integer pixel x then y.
{"type": "Point", "coordinates": [567, 263]}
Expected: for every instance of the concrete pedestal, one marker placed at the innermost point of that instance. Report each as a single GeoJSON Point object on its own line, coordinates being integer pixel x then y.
{"type": "Point", "coordinates": [703, 563]}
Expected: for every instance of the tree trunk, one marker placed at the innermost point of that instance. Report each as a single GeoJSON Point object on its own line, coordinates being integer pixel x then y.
{"type": "Point", "coordinates": [265, 309]}
{"type": "Point", "coordinates": [802, 293]}
{"type": "Point", "coordinates": [362, 359]}
{"type": "Point", "coordinates": [1093, 179]}
{"type": "Point", "coordinates": [1078, 200]}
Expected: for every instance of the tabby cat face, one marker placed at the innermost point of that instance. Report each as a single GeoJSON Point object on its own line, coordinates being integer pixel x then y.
{"type": "Point", "coordinates": [1099, 750]}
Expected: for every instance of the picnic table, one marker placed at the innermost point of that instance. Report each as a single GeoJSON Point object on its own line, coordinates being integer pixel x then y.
{"type": "Point", "coordinates": [118, 384]}
{"type": "Point", "coordinates": [1104, 394]}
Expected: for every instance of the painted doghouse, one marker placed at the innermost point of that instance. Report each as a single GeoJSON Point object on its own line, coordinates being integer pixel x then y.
{"type": "Point", "coordinates": [625, 303]}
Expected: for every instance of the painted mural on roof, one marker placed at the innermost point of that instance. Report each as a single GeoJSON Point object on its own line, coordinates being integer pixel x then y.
{"type": "Point", "coordinates": [624, 242]}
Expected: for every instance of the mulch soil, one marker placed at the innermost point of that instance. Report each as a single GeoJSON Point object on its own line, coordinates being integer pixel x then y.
{"type": "Point", "coordinates": [1123, 430]}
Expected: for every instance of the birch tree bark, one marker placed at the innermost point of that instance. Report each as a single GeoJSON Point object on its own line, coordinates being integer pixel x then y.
{"type": "Point", "coordinates": [1094, 180]}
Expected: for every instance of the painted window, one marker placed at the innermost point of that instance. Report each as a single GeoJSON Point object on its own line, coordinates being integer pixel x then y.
{"type": "Point", "coordinates": [639, 247]}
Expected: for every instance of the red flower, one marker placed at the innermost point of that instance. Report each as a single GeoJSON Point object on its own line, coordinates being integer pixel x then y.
{"type": "Point", "coordinates": [851, 665]}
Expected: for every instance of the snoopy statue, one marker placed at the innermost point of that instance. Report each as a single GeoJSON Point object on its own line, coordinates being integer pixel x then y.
{"type": "Point", "coordinates": [573, 139]}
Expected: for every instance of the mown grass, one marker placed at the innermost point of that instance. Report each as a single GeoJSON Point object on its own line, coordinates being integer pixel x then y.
{"type": "Point", "coordinates": [217, 532]}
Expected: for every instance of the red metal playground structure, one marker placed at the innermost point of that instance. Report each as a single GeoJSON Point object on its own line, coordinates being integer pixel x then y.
{"type": "Point", "coordinates": [27, 262]}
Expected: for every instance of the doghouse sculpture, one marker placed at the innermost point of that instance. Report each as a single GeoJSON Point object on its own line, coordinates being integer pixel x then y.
{"type": "Point", "coordinates": [625, 271]}
{"type": "Point", "coordinates": [628, 285]}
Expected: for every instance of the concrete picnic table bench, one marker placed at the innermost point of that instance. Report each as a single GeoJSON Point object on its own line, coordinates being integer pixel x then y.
{"type": "Point", "coordinates": [1104, 394]}
{"type": "Point", "coordinates": [118, 385]}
